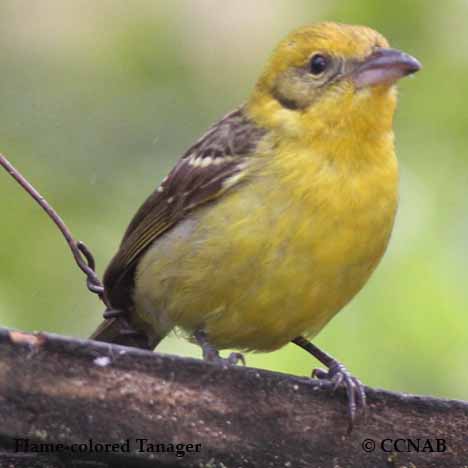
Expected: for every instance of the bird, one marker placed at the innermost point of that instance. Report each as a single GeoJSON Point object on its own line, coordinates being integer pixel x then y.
{"type": "Point", "coordinates": [277, 216]}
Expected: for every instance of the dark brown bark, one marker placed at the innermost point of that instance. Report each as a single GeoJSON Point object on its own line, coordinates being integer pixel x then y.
{"type": "Point", "coordinates": [61, 390]}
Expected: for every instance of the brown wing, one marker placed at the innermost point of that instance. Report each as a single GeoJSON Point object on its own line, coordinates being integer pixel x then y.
{"type": "Point", "coordinates": [198, 177]}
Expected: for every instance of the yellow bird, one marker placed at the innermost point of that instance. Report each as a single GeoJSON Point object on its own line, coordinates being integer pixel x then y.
{"type": "Point", "coordinates": [275, 218]}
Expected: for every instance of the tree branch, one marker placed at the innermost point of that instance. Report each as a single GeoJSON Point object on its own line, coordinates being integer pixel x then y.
{"type": "Point", "coordinates": [61, 390]}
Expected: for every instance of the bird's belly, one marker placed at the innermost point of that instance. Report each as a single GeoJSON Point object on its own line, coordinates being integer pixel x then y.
{"type": "Point", "coordinates": [258, 280]}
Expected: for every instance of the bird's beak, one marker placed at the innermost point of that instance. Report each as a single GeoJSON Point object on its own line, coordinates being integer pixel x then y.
{"type": "Point", "coordinates": [384, 66]}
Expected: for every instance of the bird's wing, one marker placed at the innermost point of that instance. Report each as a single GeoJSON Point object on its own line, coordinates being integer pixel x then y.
{"type": "Point", "coordinates": [213, 164]}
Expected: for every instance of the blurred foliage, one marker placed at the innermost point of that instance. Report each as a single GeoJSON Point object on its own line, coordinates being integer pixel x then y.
{"type": "Point", "coordinates": [100, 98]}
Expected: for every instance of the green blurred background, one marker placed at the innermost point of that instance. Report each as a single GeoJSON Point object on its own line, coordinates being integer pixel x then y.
{"type": "Point", "coordinates": [99, 99]}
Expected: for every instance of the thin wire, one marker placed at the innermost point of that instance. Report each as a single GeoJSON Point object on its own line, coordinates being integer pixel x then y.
{"type": "Point", "coordinates": [82, 255]}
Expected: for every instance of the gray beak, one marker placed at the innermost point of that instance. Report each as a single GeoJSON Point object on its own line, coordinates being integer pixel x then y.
{"type": "Point", "coordinates": [384, 66]}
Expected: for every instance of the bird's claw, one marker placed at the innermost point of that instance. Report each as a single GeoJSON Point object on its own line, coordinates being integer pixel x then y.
{"type": "Point", "coordinates": [338, 375]}
{"type": "Point", "coordinates": [236, 358]}
{"type": "Point", "coordinates": [232, 360]}
{"type": "Point", "coordinates": [211, 354]}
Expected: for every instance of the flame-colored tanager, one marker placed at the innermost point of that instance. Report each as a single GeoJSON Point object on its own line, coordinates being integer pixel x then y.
{"type": "Point", "coordinates": [275, 218]}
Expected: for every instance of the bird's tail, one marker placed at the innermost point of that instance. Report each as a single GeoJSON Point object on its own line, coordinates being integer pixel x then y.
{"type": "Point", "coordinates": [117, 330]}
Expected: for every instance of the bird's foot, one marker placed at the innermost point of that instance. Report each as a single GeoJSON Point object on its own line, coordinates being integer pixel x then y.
{"type": "Point", "coordinates": [211, 354]}
{"type": "Point", "coordinates": [340, 376]}
{"type": "Point", "coordinates": [215, 358]}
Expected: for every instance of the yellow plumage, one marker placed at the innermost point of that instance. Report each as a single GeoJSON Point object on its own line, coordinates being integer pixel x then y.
{"type": "Point", "coordinates": [281, 255]}
{"type": "Point", "coordinates": [275, 219]}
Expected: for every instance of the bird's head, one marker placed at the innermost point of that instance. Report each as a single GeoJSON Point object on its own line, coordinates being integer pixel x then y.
{"type": "Point", "coordinates": [330, 77]}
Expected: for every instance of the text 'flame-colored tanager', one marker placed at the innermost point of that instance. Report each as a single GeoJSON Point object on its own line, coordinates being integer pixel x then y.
{"type": "Point", "coordinates": [272, 221]}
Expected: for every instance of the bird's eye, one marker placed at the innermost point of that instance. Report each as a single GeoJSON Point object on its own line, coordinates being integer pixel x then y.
{"type": "Point", "coordinates": [318, 64]}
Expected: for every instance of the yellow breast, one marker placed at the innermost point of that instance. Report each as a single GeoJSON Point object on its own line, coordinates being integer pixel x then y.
{"type": "Point", "coordinates": [279, 256]}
